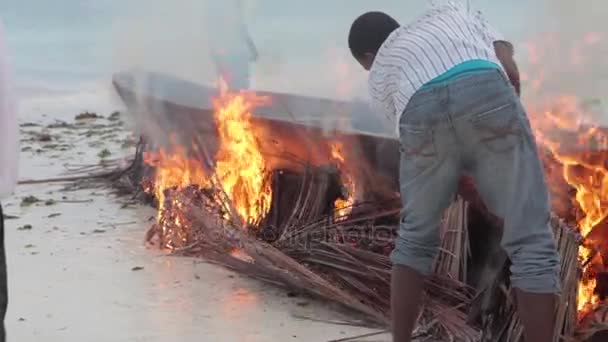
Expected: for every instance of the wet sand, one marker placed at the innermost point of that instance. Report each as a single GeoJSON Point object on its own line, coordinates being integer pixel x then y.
{"type": "Point", "coordinates": [79, 270]}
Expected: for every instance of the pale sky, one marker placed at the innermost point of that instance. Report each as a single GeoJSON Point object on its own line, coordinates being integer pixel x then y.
{"type": "Point", "coordinates": [302, 44]}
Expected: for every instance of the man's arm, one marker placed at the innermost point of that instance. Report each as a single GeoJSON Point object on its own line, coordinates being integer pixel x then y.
{"type": "Point", "coordinates": [505, 53]}
{"type": "Point", "coordinates": [504, 50]}
{"type": "Point", "coordinates": [244, 32]}
{"type": "Point", "coordinates": [252, 48]}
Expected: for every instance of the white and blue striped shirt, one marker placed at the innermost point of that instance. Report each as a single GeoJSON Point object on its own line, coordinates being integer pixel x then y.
{"type": "Point", "coordinates": [448, 34]}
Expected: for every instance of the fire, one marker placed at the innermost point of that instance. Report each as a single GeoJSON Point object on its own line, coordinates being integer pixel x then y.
{"type": "Point", "coordinates": [583, 171]}
{"type": "Point", "coordinates": [240, 254]}
{"type": "Point", "coordinates": [173, 170]}
{"type": "Point", "coordinates": [240, 165]}
{"type": "Point", "coordinates": [239, 172]}
{"type": "Point", "coordinates": [343, 207]}
{"type": "Point", "coordinates": [564, 126]}
{"type": "Point", "coordinates": [577, 168]}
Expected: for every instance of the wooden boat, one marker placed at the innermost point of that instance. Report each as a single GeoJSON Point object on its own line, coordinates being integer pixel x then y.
{"type": "Point", "coordinates": [292, 130]}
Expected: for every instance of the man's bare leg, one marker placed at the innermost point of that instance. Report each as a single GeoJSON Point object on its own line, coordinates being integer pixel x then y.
{"type": "Point", "coordinates": [537, 313]}
{"type": "Point", "coordinates": [406, 298]}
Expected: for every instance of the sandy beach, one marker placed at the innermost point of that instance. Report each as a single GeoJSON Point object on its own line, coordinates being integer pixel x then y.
{"type": "Point", "coordinates": [79, 269]}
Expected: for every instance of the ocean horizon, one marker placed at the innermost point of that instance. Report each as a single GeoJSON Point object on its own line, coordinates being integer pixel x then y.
{"type": "Point", "coordinates": [65, 52]}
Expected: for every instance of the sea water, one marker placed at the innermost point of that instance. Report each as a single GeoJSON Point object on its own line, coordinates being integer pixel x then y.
{"type": "Point", "coordinates": [65, 51]}
{"type": "Point", "coordinates": [60, 51]}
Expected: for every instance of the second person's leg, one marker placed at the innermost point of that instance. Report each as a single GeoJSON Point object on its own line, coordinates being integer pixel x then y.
{"type": "Point", "coordinates": [509, 177]}
{"type": "Point", "coordinates": [429, 172]}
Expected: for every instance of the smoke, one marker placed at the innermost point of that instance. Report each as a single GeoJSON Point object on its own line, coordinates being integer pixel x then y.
{"type": "Point", "coordinates": [164, 36]}
{"type": "Point", "coordinates": [177, 38]}
{"type": "Point", "coordinates": [153, 38]}
{"type": "Point", "coordinates": [174, 37]}
{"type": "Point", "coordinates": [561, 46]}
{"type": "Point", "coordinates": [565, 54]}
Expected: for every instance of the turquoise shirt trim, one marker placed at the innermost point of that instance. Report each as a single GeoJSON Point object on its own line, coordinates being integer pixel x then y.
{"type": "Point", "coordinates": [466, 68]}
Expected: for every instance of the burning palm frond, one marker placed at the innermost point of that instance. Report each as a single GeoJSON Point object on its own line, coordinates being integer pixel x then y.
{"type": "Point", "coordinates": [315, 230]}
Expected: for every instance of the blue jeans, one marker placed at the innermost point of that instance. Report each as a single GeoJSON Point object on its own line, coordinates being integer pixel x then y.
{"type": "Point", "coordinates": [475, 124]}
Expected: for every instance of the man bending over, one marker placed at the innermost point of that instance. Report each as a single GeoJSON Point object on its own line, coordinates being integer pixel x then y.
{"type": "Point", "coordinates": [449, 83]}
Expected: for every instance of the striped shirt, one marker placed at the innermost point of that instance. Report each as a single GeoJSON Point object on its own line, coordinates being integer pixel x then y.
{"type": "Point", "coordinates": [448, 34]}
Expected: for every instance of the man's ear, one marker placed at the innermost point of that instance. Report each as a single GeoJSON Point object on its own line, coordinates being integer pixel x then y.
{"type": "Point", "coordinates": [367, 60]}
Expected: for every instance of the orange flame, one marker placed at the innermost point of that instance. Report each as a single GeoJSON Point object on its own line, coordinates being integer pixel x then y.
{"type": "Point", "coordinates": [563, 126]}
{"type": "Point", "coordinates": [173, 170]}
{"type": "Point", "coordinates": [240, 254]}
{"type": "Point", "coordinates": [240, 165]}
{"type": "Point", "coordinates": [343, 207]}
{"type": "Point", "coordinates": [586, 174]}
{"type": "Point", "coordinates": [240, 169]}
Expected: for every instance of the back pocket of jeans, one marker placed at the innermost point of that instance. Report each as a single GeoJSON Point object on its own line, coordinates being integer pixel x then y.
{"type": "Point", "coordinates": [499, 129]}
{"type": "Point", "coordinates": [418, 150]}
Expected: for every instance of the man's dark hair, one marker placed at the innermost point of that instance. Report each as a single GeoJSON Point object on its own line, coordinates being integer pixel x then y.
{"type": "Point", "coordinates": [369, 31]}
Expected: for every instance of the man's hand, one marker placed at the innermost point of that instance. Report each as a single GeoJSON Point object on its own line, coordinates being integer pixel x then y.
{"type": "Point", "coordinates": [252, 49]}
{"type": "Point", "coordinates": [505, 53]}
